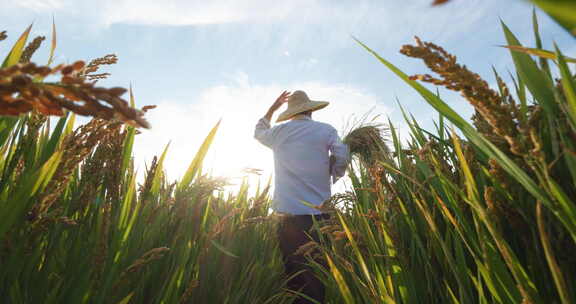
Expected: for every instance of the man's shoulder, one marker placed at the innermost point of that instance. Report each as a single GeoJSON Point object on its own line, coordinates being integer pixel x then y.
{"type": "Point", "coordinates": [324, 125]}
{"type": "Point", "coordinates": [312, 123]}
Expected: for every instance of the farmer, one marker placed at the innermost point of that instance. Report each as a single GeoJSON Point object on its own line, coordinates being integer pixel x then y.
{"type": "Point", "coordinates": [308, 155]}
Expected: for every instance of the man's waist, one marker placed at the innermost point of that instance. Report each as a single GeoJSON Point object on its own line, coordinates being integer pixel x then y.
{"type": "Point", "coordinates": [288, 216]}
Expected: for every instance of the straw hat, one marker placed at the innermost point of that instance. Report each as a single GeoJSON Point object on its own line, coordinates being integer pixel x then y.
{"type": "Point", "coordinates": [298, 103]}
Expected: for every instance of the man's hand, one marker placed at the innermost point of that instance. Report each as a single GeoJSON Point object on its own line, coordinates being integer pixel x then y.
{"type": "Point", "coordinates": [277, 104]}
{"type": "Point", "coordinates": [332, 162]}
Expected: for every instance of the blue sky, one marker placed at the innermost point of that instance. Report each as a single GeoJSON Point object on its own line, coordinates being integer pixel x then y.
{"type": "Point", "coordinates": [200, 61]}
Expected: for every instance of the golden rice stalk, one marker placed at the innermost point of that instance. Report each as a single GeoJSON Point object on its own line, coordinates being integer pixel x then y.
{"type": "Point", "coordinates": [31, 48]}
{"type": "Point", "coordinates": [18, 163]}
{"type": "Point", "coordinates": [500, 112]}
{"type": "Point", "coordinates": [20, 94]}
{"type": "Point", "coordinates": [438, 2]}
{"type": "Point", "coordinates": [148, 108]}
{"type": "Point", "coordinates": [92, 176]}
{"type": "Point", "coordinates": [307, 248]}
{"type": "Point", "coordinates": [96, 77]}
{"type": "Point", "coordinates": [144, 189]}
{"type": "Point", "coordinates": [76, 147]}
{"type": "Point", "coordinates": [255, 220]}
{"type": "Point", "coordinates": [145, 259]}
{"type": "Point", "coordinates": [368, 142]}
{"type": "Point", "coordinates": [339, 235]}
{"type": "Point", "coordinates": [329, 229]}
{"type": "Point", "coordinates": [222, 223]}
{"type": "Point", "coordinates": [89, 72]}
{"type": "Point", "coordinates": [188, 293]}
{"type": "Point", "coordinates": [67, 221]}
{"type": "Point", "coordinates": [336, 201]}
{"type": "Point", "coordinates": [113, 155]}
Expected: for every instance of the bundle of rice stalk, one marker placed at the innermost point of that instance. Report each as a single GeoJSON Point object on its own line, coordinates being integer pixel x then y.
{"type": "Point", "coordinates": [367, 142]}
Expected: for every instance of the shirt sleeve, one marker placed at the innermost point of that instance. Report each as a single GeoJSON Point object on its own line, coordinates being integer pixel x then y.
{"type": "Point", "coordinates": [263, 132]}
{"type": "Point", "coordinates": [339, 155]}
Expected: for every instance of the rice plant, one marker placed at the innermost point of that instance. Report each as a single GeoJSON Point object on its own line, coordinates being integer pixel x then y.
{"type": "Point", "coordinates": [76, 225]}
{"type": "Point", "coordinates": [488, 218]}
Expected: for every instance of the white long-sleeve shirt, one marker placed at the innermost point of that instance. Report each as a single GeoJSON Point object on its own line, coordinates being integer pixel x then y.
{"type": "Point", "coordinates": [302, 148]}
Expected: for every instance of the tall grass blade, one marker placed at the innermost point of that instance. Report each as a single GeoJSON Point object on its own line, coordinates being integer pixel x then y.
{"type": "Point", "coordinates": [222, 249]}
{"type": "Point", "coordinates": [537, 52]}
{"type": "Point", "coordinates": [563, 11]}
{"type": "Point", "coordinates": [568, 87]}
{"type": "Point", "coordinates": [55, 138]}
{"type": "Point", "coordinates": [16, 52]}
{"type": "Point", "coordinates": [561, 286]}
{"type": "Point", "coordinates": [53, 43]}
{"type": "Point", "coordinates": [127, 148]}
{"type": "Point", "coordinates": [536, 81]}
{"type": "Point", "coordinates": [196, 163]}
{"type": "Point", "coordinates": [344, 290]}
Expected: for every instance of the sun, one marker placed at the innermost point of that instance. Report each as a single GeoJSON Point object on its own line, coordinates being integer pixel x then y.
{"type": "Point", "coordinates": [235, 154]}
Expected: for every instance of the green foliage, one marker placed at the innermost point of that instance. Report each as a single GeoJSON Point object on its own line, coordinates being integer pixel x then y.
{"type": "Point", "coordinates": [102, 239]}
{"type": "Point", "coordinates": [16, 52]}
{"type": "Point", "coordinates": [484, 219]}
{"type": "Point", "coordinates": [76, 227]}
{"type": "Point", "coordinates": [563, 11]}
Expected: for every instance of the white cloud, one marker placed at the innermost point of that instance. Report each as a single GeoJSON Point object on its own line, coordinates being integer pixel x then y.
{"type": "Point", "coordinates": [167, 12]}
{"type": "Point", "coordinates": [176, 12]}
{"type": "Point", "coordinates": [38, 5]}
{"type": "Point", "coordinates": [239, 105]}
{"type": "Point", "coordinates": [308, 63]}
{"type": "Point", "coordinates": [385, 19]}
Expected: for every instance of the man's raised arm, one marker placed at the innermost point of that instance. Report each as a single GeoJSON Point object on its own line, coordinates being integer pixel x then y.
{"type": "Point", "coordinates": [262, 131]}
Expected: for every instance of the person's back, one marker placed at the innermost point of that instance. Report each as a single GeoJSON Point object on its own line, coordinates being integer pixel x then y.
{"type": "Point", "coordinates": [302, 150]}
{"type": "Point", "coordinates": [307, 154]}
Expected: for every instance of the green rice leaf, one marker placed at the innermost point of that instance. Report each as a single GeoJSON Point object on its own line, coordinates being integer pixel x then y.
{"type": "Point", "coordinates": [134, 206]}
{"type": "Point", "coordinates": [46, 171]}
{"type": "Point", "coordinates": [127, 202]}
{"type": "Point", "coordinates": [536, 30]}
{"type": "Point", "coordinates": [535, 79]}
{"type": "Point", "coordinates": [471, 186]}
{"type": "Point", "coordinates": [339, 278]}
{"type": "Point", "coordinates": [55, 138]}
{"type": "Point", "coordinates": [567, 205]}
{"type": "Point", "coordinates": [222, 249]}
{"type": "Point", "coordinates": [7, 124]}
{"type": "Point", "coordinates": [70, 126]}
{"type": "Point", "coordinates": [127, 149]}
{"type": "Point", "coordinates": [15, 206]}
{"type": "Point", "coordinates": [16, 52]}
{"type": "Point", "coordinates": [126, 299]}
{"type": "Point", "coordinates": [568, 86]}
{"type": "Point", "coordinates": [562, 11]}
{"type": "Point", "coordinates": [537, 52]}
{"type": "Point", "coordinates": [557, 275]}
{"type": "Point", "coordinates": [196, 163]}
{"type": "Point", "coordinates": [129, 141]}
{"type": "Point", "coordinates": [157, 179]}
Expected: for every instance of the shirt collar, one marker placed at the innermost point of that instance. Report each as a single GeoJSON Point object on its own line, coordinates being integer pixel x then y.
{"type": "Point", "coordinates": [301, 117]}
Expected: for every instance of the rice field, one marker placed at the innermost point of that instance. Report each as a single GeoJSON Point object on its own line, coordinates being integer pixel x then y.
{"type": "Point", "coordinates": [478, 210]}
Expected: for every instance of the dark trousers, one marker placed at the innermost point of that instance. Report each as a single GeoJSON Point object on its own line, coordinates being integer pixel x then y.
{"type": "Point", "coordinates": [292, 233]}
